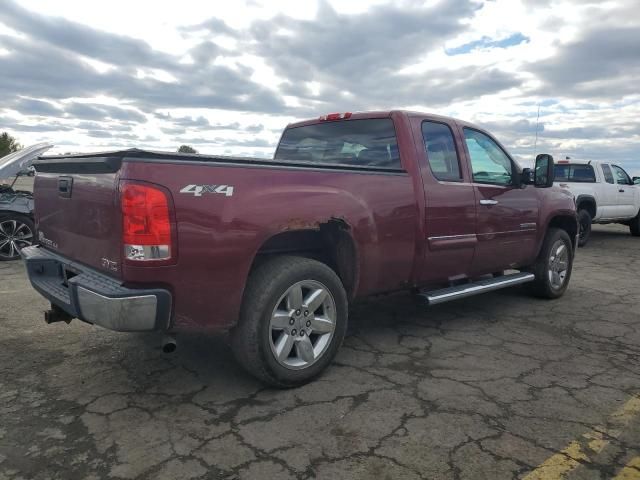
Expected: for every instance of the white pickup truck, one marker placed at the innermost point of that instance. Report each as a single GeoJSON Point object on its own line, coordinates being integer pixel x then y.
{"type": "Point", "coordinates": [604, 193]}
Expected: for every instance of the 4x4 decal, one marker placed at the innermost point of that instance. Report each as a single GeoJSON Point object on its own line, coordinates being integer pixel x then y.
{"type": "Point", "coordinates": [198, 190]}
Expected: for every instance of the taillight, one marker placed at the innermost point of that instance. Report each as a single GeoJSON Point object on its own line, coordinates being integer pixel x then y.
{"type": "Point", "coordinates": [146, 222]}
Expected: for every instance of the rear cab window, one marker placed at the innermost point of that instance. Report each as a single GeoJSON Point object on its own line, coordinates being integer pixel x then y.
{"type": "Point", "coordinates": [575, 172]}
{"type": "Point", "coordinates": [366, 143]}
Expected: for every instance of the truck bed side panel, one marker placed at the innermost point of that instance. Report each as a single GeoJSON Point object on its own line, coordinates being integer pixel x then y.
{"type": "Point", "coordinates": [219, 235]}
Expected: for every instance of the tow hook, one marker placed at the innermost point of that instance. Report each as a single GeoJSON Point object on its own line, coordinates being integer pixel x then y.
{"type": "Point", "coordinates": [169, 344]}
{"type": "Point", "coordinates": [56, 314]}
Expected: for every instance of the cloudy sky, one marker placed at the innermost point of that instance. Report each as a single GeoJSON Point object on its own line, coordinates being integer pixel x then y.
{"type": "Point", "coordinates": [225, 77]}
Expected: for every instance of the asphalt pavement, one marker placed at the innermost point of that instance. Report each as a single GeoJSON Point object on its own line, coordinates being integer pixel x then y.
{"type": "Point", "coordinates": [497, 386]}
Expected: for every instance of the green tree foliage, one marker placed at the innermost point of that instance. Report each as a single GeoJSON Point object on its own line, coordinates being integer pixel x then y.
{"type": "Point", "coordinates": [187, 149]}
{"type": "Point", "coordinates": [8, 144]}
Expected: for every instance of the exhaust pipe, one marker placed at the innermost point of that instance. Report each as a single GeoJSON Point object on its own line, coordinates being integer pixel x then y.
{"type": "Point", "coordinates": [169, 344]}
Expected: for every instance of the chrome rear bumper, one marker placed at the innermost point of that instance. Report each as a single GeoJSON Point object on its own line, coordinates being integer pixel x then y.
{"type": "Point", "coordinates": [93, 297]}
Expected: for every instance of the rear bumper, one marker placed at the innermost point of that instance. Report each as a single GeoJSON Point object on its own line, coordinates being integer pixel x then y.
{"type": "Point", "coordinates": [93, 297]}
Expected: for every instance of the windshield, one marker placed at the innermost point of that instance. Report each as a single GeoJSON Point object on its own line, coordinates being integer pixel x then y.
{"type": "Point", "coordinates": [363, 143]}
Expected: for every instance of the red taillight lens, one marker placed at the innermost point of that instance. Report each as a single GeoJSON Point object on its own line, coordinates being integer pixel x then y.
{"type": "Point", "coordinates": [335, 116]}
{"type": "Point", "coordinates": [146, 222]}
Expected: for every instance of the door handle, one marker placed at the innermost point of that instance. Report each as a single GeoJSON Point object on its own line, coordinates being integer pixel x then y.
{"type": "Point", "coordinates": [621, 190]}
{"type": "Point", "coordinates": [488, 202]}
{"type": "Point", "coordinates": [64, 186]}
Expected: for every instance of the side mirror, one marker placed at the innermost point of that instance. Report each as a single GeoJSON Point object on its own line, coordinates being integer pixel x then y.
{"type": "Point", "coordinates": [636, 180]}
{"type": "Point", "coordinates": [544, 172]}
{"type": "Point", "coordinates": [526, 177]}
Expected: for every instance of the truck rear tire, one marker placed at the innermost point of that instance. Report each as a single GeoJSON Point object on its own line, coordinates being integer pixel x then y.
{"type": "Point", "coordinates": [553, 266]}
{"type": "Point", "coordinates": [634, 226]}
{"type": "Point", "coordinates": [584, 223]}
{"type": "Point", "coordinates": [292, 322]}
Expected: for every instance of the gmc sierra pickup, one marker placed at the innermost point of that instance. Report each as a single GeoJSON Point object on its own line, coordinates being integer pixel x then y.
{"type": "Point", "coordinates": [271, 252]}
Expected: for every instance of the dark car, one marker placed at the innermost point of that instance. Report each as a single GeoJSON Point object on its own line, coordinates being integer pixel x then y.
{"type": "Point", "coordinates": [17, 229]}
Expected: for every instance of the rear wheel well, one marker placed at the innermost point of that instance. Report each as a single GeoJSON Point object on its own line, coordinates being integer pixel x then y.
{"type": "Point", "coordinates": [331, 243]}
{"type": "Point", "coordinates": [566, 223]}
{"type": "Point", "coordinates": [588, 204]}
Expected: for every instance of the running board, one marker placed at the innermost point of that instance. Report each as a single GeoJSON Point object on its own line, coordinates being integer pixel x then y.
{"type": "Point", "coordinates": [468, 289]}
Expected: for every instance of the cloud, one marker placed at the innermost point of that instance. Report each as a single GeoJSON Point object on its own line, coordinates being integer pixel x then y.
{"type": "Point", "coordinates": [49, 64]}
{"type": "Point", "coordinates": [30, 106]}
{"type": "Point", "coordinates": [87, 111]}
{"type": "Point", "coordinates": [254, 128]}
{"type": "Point", "coordinates": [113, 126]}
{"type": "Point", "coordinates": [603, 62]}
{"type": "Point", "coordinates": [40, 127]}
{"type": "Point", "coordinates": [213, 25]}
{"type": "Point", "coordinates": [101, 134]}
{"type": "Point", "coordinates": [80, 39]}
{"type": "Point", "coordinates": [242, 77]}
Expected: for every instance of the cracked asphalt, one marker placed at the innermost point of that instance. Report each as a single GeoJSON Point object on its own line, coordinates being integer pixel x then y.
{"type": "Point", "coordinates": [495, 386]}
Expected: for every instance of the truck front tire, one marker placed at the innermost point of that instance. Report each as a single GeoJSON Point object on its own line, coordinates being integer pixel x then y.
{"type": "Point", "coordinates": [584, 223]}
{"type": "Point", "coordinates": [553, 266]}
{"type": "Point", "coordinates": [292, 321]}
{"type": "Point", "coordinates": [634, 226]}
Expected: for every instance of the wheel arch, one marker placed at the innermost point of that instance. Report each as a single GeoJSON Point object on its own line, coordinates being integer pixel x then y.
{"type": "Point", "coordinates": [587, 202]}
{"type": "Point", "coordinates": [329, 242]}
{"type": "Point", "coordinates": [567, 223]}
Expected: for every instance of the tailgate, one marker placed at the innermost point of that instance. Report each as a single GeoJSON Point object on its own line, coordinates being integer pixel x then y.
{"type": "Point", "coordinates": [77, 210]}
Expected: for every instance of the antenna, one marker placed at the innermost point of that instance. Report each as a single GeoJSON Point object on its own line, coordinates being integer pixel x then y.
{"type": "Point", "coordinates": [535, 145]}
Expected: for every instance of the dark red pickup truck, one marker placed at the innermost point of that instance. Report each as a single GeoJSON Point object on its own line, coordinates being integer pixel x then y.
{"type": "Point", "coordinates": [272, 251]}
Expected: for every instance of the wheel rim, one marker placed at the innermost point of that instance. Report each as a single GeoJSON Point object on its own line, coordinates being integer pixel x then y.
{"type": "Point", "coordinates": [558, 264]}
{"type": "Point", "coordinates": [14, 235]}
{"type": "Point", "coordinates": [302, 325]}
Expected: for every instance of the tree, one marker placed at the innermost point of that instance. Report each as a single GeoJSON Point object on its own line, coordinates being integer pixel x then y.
{"type": "Point", "coordinates": [187, 149]}
{"type": "Point", "coordinates": [8, 144]}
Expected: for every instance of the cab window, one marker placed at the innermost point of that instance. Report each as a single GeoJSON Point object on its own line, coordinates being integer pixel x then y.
{"type": "Point", "coordinates": [575, 172]}
{"type": "Point", "coordinates": [359, 143]}
{"type": "Point", "coordinates": [489, 163]}
{"type": "Point", "coordinates": [608, 176]}
{"type": "Point", "coordinates": [441, 151]}
{"type": "Point", "coordinates": [621, 176]}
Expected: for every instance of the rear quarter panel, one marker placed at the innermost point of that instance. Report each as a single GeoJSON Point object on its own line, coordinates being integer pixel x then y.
{"type": "Point", "coordinates": [219, 235]}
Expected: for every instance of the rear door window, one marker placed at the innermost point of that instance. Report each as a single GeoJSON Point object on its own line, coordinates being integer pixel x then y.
{"type": "Point", "coordinates": [441, 151]}
{"type": "Point", "coordinates": [360, 143]}
{"type": "Point", "coordinates": [608, 176]}
{"type": "Point", "coordinates": [574, 172]}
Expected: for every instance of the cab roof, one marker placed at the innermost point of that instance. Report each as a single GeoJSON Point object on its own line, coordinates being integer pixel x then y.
{"type": "Point", "coordinates": [346, 116]}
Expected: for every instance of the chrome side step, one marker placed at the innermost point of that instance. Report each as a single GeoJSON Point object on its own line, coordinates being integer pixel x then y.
{"type": "Point", "coordinates": [468, 289]}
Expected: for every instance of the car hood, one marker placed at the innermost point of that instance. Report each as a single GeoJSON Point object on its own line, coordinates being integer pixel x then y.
{"type": "Point", "coordinates": [14, 163]}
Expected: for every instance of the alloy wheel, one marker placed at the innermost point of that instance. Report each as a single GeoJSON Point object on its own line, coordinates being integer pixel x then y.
{"type": "Point", "coordinates": [558, 264]}
{"type": "Point", "coordinates": [14, 235]}
{"type": "Point", "coordinates": [302, 324]}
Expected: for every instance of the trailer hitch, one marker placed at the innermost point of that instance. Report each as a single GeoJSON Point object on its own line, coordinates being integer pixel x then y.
{"type": "Point", "coordinates": [56, 314]}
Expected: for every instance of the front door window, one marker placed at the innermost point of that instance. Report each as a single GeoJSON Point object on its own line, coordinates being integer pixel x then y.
{"type": "Point", "coordinates": [489, 163]}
